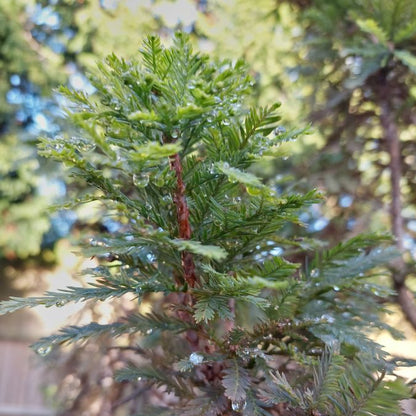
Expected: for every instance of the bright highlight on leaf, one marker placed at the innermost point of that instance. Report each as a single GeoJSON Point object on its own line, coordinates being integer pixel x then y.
{"type": "Point", "coordinates": [154, 151]}
{"type": "Point", "coordinates": [261, 282]}
{"type": "Point", "coordinates": [371, 26]}
{"type": "Point", "coordinates": [237, 175]}
{"type": "Point", "coordinates": [212, 252]}
{"type": "Point", "coordinates": [407, 58]}
{"type": "Point", "coordinates": [142, 116]}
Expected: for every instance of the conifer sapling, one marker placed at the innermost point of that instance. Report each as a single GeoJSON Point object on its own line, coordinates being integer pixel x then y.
{"type": "Point", "coordinates": [167, 143]}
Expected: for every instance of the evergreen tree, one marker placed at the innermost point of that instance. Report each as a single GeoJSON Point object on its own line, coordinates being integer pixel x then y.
{"type": "Point", "coordinates": [167, 144]}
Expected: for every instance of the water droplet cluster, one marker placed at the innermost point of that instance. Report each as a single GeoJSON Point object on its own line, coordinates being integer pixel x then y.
{"type": "Point", "coordinates": [196, 358]}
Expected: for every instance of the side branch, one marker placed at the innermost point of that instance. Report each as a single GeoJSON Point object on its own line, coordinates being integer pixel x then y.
{"type": "Point", "coordinates": [184, 225]}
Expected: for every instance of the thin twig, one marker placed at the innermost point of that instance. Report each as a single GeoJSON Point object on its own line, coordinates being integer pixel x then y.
{"type": "Point", "coordinates": [136, 393]}
{"type": "Point", "coordinates": [128, 348]}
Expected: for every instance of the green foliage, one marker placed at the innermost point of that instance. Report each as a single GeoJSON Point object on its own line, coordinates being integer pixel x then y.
{"type": "Point", "coordinates": [17, 55]}
{"type": "Point", "coordinates": [355, 57]}
{"type": "Point", "coordinates": [236, 381]}
{"type": "Point", "coordinates": [22, 212]}
{"type": "Point", "coordinates": [169, 145]}
{"type": "Point", "coordinates": [27, 69]}
{"type": "Point", "coordinates": [334, 392]}
{"type": "Point", "coordinates": [89, 30]}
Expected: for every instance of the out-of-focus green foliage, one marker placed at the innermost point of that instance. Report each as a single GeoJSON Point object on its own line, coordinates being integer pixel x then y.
{"type": "Point", "coordinates": [91, 29]}
{"type": "Point", "coordinates": [88, 30]}
{"type": "Point", "coordinates": [355, 54]}
{"type": "Point", "coordinates": [42, 45]}
{"type": "Point", "coordinates": [26, 69]}
{"type": "Point", "coordinates": [262, 35]}
{"type": "Point", "coordinates": [358, 57]}
{"type": "Point", "coordinates": [20, 55]}
{"type": "Point", "coordinates": [22, 211]}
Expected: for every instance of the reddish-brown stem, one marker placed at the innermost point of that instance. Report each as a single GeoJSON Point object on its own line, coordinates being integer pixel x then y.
{"type": "Point", "coordinates": [185, 232]}
{"type": "Point", "coordinates": [211, 372]}
{"type": "Point", "coordinates": [184, 224]}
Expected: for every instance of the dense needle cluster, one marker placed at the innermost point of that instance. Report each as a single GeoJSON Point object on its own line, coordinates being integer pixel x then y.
{"type": "Point", "coordinates": [166, 143]}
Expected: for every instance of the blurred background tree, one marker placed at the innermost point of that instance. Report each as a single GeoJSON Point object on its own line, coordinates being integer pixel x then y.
{"type": "Point", "coordinates": [357, 59]}
{"type": "Point", "coordinates": [25, 73]}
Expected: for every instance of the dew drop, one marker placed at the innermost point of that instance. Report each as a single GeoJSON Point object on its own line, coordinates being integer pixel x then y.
{"type": "Point", "coordinates": [60, 303]}
{"type": "Point", "coordinates": [196, 358]}
{"type": "Point", "coordinates": [225, 123]}
{"type": "Point", "coordinates": [328, 318]}
{"type": "Point", "coordinates": [149, 331]}
{"type": "Point", "coordinates": [314, 273]}
{"type": "Point", "coordinates": [279, 130]}
{"type": "Point", "coordinates": [86, 146]}
{"type": "Point", "coordinates": [141, 180]}
{"type": "Point", "coordinates": [235, 406]}
{"type": "Point", "coordinates": [336, 288]}
{"type": "Point", "coordinates": [238, 406]}
{"type": "Point", "coordinates": [175, 134]}
{"type": "Point", "coordinates": [58, 147]}
{"type": "Point", "coordinates": [43, 351]}
{"type": "Point", "coordinates": [139, 290]}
